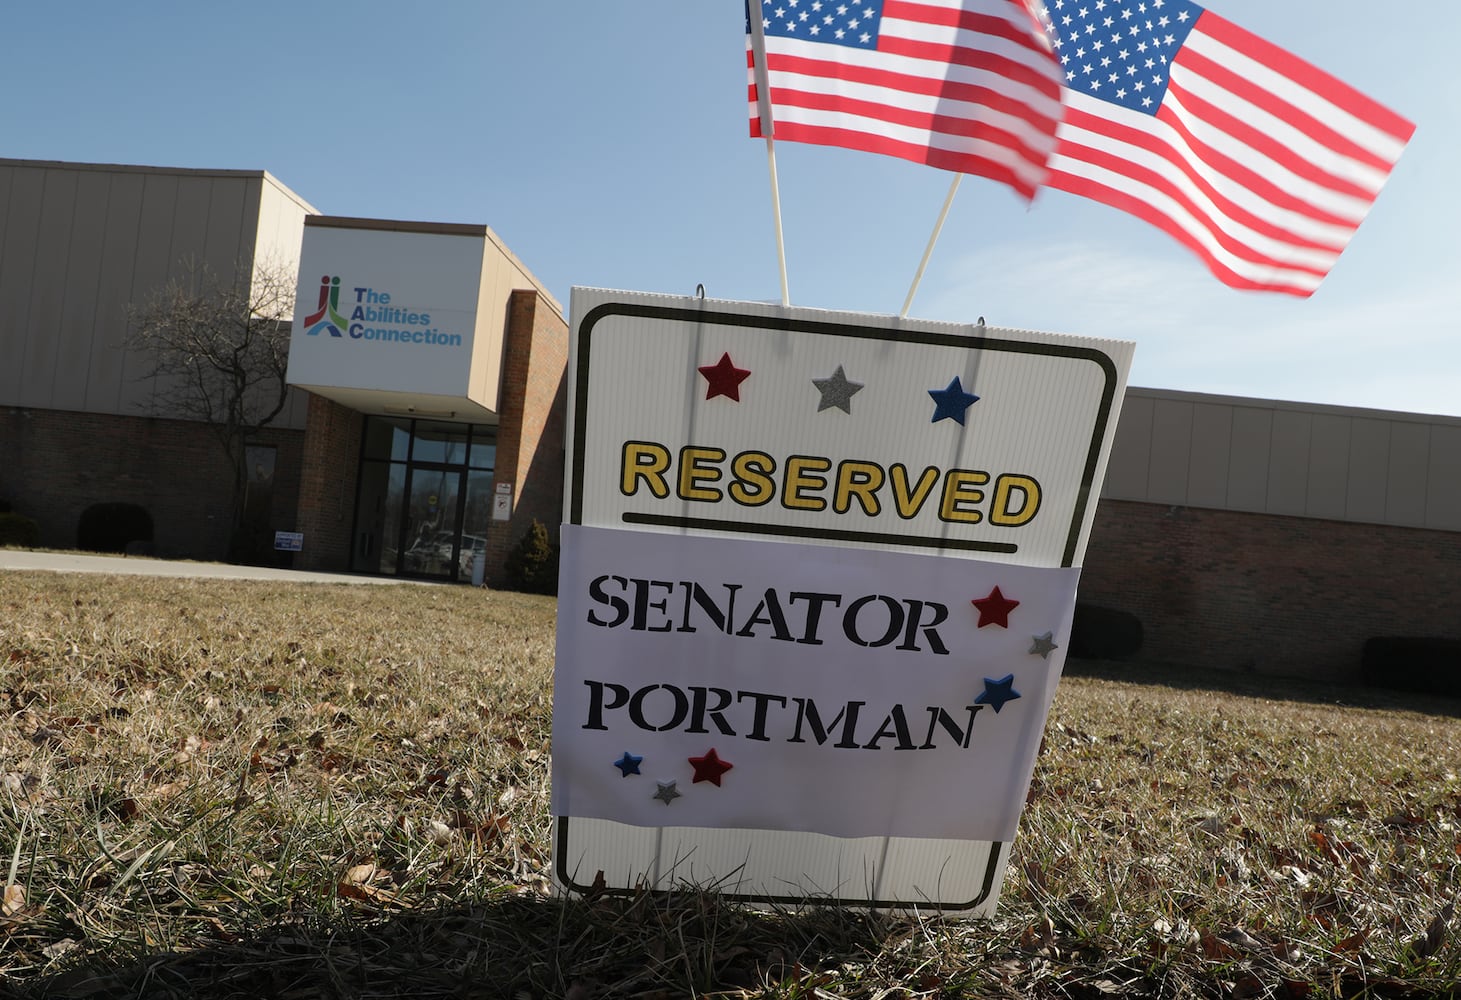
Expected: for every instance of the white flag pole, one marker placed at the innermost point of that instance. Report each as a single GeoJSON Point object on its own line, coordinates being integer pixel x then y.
{"type": "Point", "coordinates": [932, 239]}
{"type": "Point", "coordinates": [763, 110]}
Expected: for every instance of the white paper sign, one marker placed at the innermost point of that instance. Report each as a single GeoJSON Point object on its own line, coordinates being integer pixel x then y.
{"type": "Point", "coordinates": [901, 464]}
{"type": "Point", "coordinates": [776, 686]}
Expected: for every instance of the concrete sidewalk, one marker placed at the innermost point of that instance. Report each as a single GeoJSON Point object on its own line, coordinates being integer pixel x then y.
{"type": "Point", "coordinates": [75, 562]}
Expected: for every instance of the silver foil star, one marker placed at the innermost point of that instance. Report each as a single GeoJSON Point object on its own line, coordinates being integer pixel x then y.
{"type": "Point", "coordinates": [836, 391]}
{"type": "Point", "coordinates": [667, 792]}
{"type": "Point", "coordinates": [1043, 644]}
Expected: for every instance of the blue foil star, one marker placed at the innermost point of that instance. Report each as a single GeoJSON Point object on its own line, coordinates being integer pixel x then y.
{"type": "Point", "coordinates": [950, 403]}
{"type": "Point", "coordinates": [628, 764]}
{"type": "Point", "coordinates": [998, 693]}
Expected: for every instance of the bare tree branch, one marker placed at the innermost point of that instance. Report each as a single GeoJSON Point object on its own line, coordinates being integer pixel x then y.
{"type": "Point", "coordinates": [218, 348]}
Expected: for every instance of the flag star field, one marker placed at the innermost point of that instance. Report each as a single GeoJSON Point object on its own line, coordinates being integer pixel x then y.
{"type": "Point", "coordinates": [1119, 50]}
{"type": "Point", "coordinates": [854, 25]}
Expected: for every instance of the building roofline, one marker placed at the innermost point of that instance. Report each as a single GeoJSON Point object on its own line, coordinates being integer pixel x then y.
{"type": "Point", "coordinates": [1293, 406]}
{"type": "Point", "coordinates": [434, 229]}
{"type": "Point", "coordinates": [137, 168]}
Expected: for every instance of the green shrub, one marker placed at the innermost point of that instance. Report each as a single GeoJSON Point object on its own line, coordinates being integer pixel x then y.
{"type": "Point", "coordinates": [1098, 633]}
{"type": "Point", "coordinates": [1427, 665]}
{"type": "Point", "coordinates": [19, 530]}
{"type": "Point", "coordinates": [532, 565]}
{"type": "Point", "coordinates": [110, 527]}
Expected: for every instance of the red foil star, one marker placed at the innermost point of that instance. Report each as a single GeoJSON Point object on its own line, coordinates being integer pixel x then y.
{"type": "Point", "coordinates": [725, 378]}
{"type": "Point", "coordinates": [709, 768]}
{"type": "Point", "coordinates": [995, 609]}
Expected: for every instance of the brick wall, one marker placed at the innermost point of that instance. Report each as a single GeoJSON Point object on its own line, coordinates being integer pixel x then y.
{"type": "Point", "coordinates": [531, 427]}
{"type": "Point", "coordinates": [328, 473]}
{"type": "Point", "coordinates": [56, 463]}
{"type": "Point", "coordinates": [1279, 595]}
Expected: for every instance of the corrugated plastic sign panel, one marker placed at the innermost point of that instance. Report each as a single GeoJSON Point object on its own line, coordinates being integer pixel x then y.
{"type": "Point", "coordinates": [719, 664]}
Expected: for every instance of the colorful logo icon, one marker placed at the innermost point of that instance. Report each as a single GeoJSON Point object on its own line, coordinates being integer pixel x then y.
{"type": "Point", "coordinates": [327, 316]}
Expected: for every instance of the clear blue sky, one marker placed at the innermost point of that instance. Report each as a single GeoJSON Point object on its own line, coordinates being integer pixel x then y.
{"type": "Point", "coordinates": [606, 143]}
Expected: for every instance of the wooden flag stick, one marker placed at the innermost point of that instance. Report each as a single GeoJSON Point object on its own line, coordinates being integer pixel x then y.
{"type": "Point", "coordinates": [776, 210]}
{"type": "Point", "coordinates": [932, 239]}
{"type": "Point", "coordinates": [763, 109]}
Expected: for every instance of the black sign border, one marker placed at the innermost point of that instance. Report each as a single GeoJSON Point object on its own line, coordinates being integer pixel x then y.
{"type": "Point", "coordinates": [785, 324]}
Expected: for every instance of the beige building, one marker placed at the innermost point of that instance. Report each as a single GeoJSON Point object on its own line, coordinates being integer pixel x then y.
{"type": "Point", "coordinates": [425, 431]}
{"type": "Point", "coordinates": [84, 423]}
{"type": "Point", "coordinates": [1278, 537]}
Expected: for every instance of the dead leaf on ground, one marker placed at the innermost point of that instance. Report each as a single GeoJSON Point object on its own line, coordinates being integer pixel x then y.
{"type": "Point", "coordinates": [333, 713]}
{"type": "Point", "coordinates": [1248, 986]}
{"type": "Point", "coordinates": [370, 894]}
{"type": "Point", "coordinates": [1216, 949]}
{"type": "Point", "coordinates": [220, 931]}
{"type": "Point", "coordinates": [1242, 940]}
{"type": "Point", "coordinates": [365, 873]}
{"type": "Point", "coordinates": [485, 830]}
{"type": "Point", "coordinates": [1435, 933]}
{"type": "Point", "coordinates": [57, 949]}
{"type": "Point", "coordinates": [14, 900]}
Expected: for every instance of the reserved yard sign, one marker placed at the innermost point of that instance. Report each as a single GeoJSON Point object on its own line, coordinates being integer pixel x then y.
{"type": "Point", "coordinates": [817, 576]}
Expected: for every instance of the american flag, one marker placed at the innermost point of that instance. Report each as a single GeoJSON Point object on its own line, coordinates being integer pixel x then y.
{"type": "Point", "coordinates": [965, 85]}
{"type": "Point", "coordinates": [1258, 162]}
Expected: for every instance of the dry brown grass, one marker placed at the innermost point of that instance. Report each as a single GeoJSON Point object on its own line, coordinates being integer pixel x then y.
{"type": "Point", "coordinates": [247, 789]}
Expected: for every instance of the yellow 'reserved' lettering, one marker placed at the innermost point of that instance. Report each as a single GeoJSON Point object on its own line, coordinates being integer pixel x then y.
{"type": "Point", "coordinates": [815, 483]}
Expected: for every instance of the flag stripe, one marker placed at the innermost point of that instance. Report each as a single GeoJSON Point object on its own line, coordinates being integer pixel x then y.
{"type": "Point", "coordinates": [1024, 31]}
{"type": "Point", "coordinates": [937, 149]}
{"type": "Point", "coordinates": [1244, 234]}
{"type": "Point", "coordinates": [965, 85]}
{"type": "Point", "coordinates": [1259, 163]}
{"type": "Point", "coordinates": [1120, 191]}
{"type": "Point", "coordinates": [978, 87]}
{"type": "Point", "coordinates": [1259, 184]}
{"type": "Point", "coordinates": [1230, 138]}
{"type": "Point", "coordinates": [1329, 98]}
{"type": "Point", "coordinates": [935, 61]}
{"type": "Point", "coordinates": [1282, 126]}
{"type": "Point", "coordinates": [996, 119]}
{"type": "Point", "coordinates": [966, 161]}
{"type": "Point", "coordinates": [1246, 231]}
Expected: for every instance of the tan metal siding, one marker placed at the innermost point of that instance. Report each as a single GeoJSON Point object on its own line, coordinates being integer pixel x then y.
{"type": "Point", "coordinates": [150, 269]}
{"type": "Point", "coordinates": [190, 223]}
{"type": "Point", "coordinates": [48, 290]}
{"type": "Point", "coordinates": [1405, 493]}
{"type": "Point", "coordinates": [113, 293]}
{"type": "Point", "coordinates": [1328, 472]}
{"type": "Point", "coordinates": [17, 270]}
{"type": "Point", "coordinates": [1248, 458]}
{"type": "Point", "coordinates": [1171, 451]}
{"type": "Point", "coordinates": [1369, 461]}
{"type": "Point", "coordinates": [80, 284]}
{"type": "Point", "coordinates": [1212, 441]}
{"type": "Point", "coordinates": [1443, 481]}
{"type": "Point", "coordinates": [1126, 471]}
{"type": "Point", "coordinates": [1297, 459]}
{"type": "Point", "coordinates": [1288, 463]}
{"type": "Point", "coordinates": [229, 235]}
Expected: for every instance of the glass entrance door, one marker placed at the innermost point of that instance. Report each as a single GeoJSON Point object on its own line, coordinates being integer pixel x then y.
{"type": "Point", "coordinates": [423, 501]}
{"type": "Point", "coordinates": [431, 529]}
